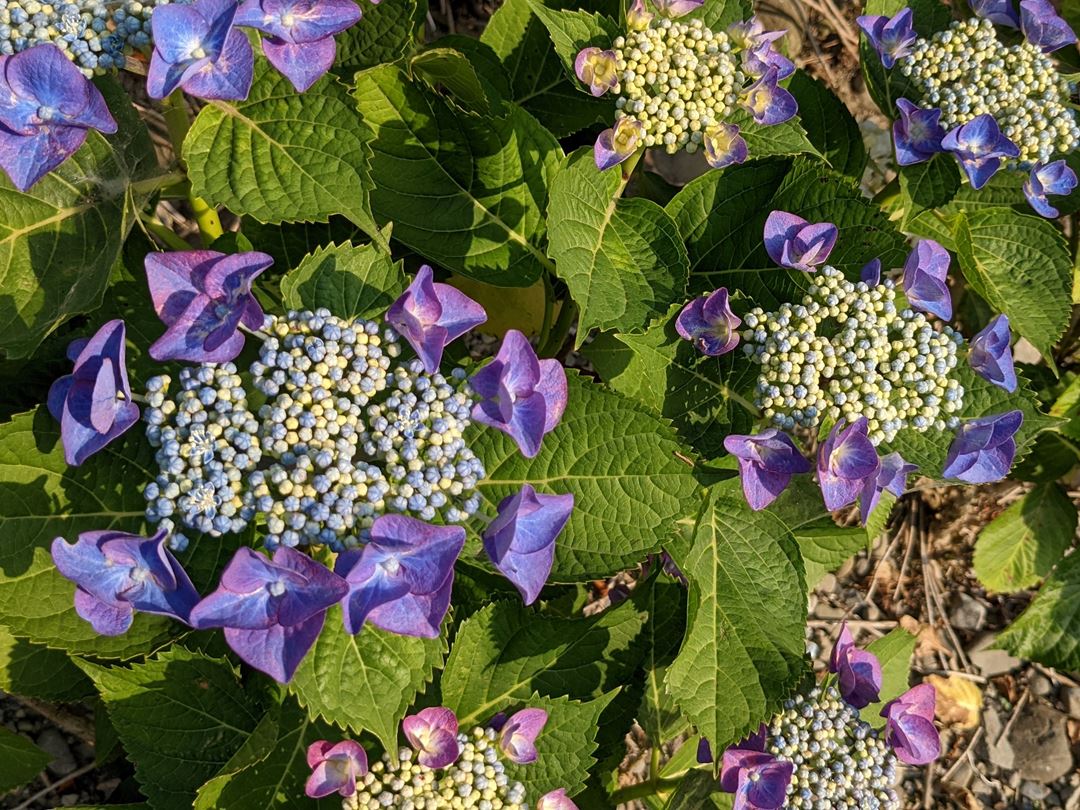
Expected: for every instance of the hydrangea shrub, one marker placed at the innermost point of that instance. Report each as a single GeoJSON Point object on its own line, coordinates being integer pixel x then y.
{"type": "Point", "coordinates": [309, 508]}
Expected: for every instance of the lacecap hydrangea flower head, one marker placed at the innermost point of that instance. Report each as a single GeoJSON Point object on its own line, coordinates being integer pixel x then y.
{"type": "Point", "coordinates": [679, 84]}
{"type": "Point", "coordinates": [981, 96]}
{"type": "Point", "coordinates": [357, 447]}
{"type": "Point", "coordinates": [818, 753]}
{"type": "Point", "coordinates": [864, 359]}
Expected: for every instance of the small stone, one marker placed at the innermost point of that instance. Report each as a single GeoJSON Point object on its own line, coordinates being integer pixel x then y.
{"type": "Point", "coordinates": [70, 800]}
{"type": "Point", "coordinates": [1039, 744]}
{"type": "Point", "coordinates": [825, 611]}
{"type": "Point", "coordinates": [1040, 685]}
{"type": "Point", "coordinates": [1034, 791]}
{"type": "Point", "coordinates": [1071, 699]}
{"type": "Point", "coordinates": [967, 612]}
{"type": "Point", "coordinates": [52, 742]}
{"type": "Point", "coordinates": [991, 662]}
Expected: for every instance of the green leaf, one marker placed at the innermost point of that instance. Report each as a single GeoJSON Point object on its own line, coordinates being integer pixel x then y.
{"type": "Point", "coordinates": [289, 243]}
{"type": "Point", "coordinates": [788, 138]}
{"type": "Point", "coordinates": [273, 773]}
{"type": "Point", "coordinates": [1049, 630]}
{"type": "Point", "coordinates": [894, 652]}
{"type": "Point", "coordinates": [351, 281]}
{"type": "Point", "coordinates": [450, 70]}
{"type": "Point", "coordinates": [929, 185]}
{"type": "Point", "coordinates": [367, 681]}
{"type": "Point", "coordinates": [282, 156]}
{"type": "Point", "coordinates": [468, 194]}
{"type": "Point", "coordinates": [386, 33]}
{"type": "Point", "coordinates": [564, 748]}
{"type": "Point", "coordinates": [830, 128]}
{"type": "Point", "coordinates": [721, 215]}
{"type": "Point", "coordinates": [573, 30]}
{"type": "Point", "coordinates": [58, 241]}
{"type": "Point", "coordinates": [23, 760]}
{"type": "Point", "coordinates": [666, 373]}
{"type": "Point", "coordinates": [744, 648]}
{"type": "Point", "coordinates": [1020, 546]}
{"type": "Point", "coordinates": [180, 715]}
{"type": "Point", "coordinates": [825, 547]}
{"type": "Point", "coordinates": [618, 460]}
{"type": "Point", "coordinates": [698, 790]}
{"type": "Point", "coordinates": [719, 14]}
{"type": "Point", "coordinates": [981, 398]}
{"type": "Point", "coordinates": [538, 81]}
{"type": "Point", "coordinates": [33, 670]}
{"type": "Point", "coordinates": [1020, 265]}
{"type": "Point", "coordinates": [665, 603]}
{"type": "Point", "coordinates": [505, 652]}
{"type": "Point", "coordinates": [622, 259]}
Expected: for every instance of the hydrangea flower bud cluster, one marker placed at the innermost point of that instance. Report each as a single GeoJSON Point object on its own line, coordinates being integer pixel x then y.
{"type": "Point", "coordinates": [206, 440]}
{"type": "Point", "coordinates": [677, 78]}
{"type": "Point", "coordinates": [95, 35]}
{"type": "Point", "coordinates": [846, 351]}
{"type": "Point", "coordinates": [345, 435]}
{"type": "Point", "coordinates": [966, 71]}
{"type": "Point", "coordinates": [840, 760]}
{"type": "Point", "coordinates": [477, 779]}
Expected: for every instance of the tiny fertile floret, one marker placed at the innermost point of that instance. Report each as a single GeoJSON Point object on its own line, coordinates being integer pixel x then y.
{"type": "Point", "coordinates": [967, 71]}
{"type": "Point", "coordinates": [847, 351]}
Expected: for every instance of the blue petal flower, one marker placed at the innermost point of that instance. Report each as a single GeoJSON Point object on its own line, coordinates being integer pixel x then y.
{"type": "Point", "coordinates": [93, 404]}
{"type": "Point", "coordinates": [197, 49]}
{"type": "Point", "coordinates": [917, 133]}
{"type": "Point", "coordinates": [793, 242]}
{"type": "Point", "coordinates": [1043, 26]}
{"type": "Point", "coordinates": [991, 354]}
{"type": "Point", "coordinates": [709, 324]}
{"type": "Point", "coordinates": [892, 477]}
{"type": "Point", "coordinates": [890, 37]}
{"type": "Point", "coordinates": [521, 539]}
{"type": "Point", "coordinates": [984, 449]}
{"type": "Point", "coordinates": [1050, 178]}
{"type": "Point", "coordinates": [925, 271]}
{"type": "Point", "coordinates": [47, 107]}
{"type": "Point", "coordinates": [767, 462]}
{"type": "Point", "coordinates": [1000, 12]}
{"type": "Point", "coordinates": [847, 459]}
{"type": "Point", "coordinates": [980, 146]}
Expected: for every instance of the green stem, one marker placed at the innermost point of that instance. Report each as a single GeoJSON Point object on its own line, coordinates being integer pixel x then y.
{"type": "Point", "coordinates": [549, 310]}
{"type": "Point", "coordinates": [152, 184]}
{"type": "Point", "coordinates": [750, 407]}
{"type": "Point", "coordinates": [178, 123]}
{"type": "Point", "coordinates": [560, 330]}
{"type": "Point", "coordinates": [642, 789]}
{"type": "Point", "coordinates": [159, 229]}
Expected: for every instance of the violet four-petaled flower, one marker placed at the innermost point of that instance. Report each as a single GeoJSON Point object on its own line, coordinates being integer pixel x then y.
{"type": "Point", "coordinates": [556, 800]}
{"type": "Point", "coordinates": [925, 271]}
{"type": "Point", "coordinates": [335, 768]}
{"type": "Point", "coordinates": [676, 8]}
{"type": "Point", "coordinates": [984, 448]}
{"type": "Point", "coordinates": [758, 779]}
{"type": "Point", "coordinates": [917, 133]}
{"type": "Point", "coordinates": [1000, 12]}
{"type": "Point", "coordinates": [47, 107]}
{"type": "Point", "coordinates": [767, 461]}
{"type": "Point", "coordinates": [272, 609]}
{"type": "Point", "coordinates": [767, 102]}
{"type": "Point", "coordinates": [93, 403]}
{"type": "Point", "coordinates": [1050, 178]}
{"type": "Point", "coordinates": [892, 477]}
{"type": "Point", "coordinates": [991, 354]}
{"type": "Point", "coordinates": [203, 297]}
{"type": "Point", "coordinates": [846, 460]}
{"type": "Point", "coordinates": [1043, 26]}
{"type": "Point", "coordinates": [858, 671]}
{"type": "Point", "coordinates": [521, 539]}
{"type": "Point", "coordinates": [870, 274]}
{"type": "Point", "coordinates": [909, 725]}
{"type": "Point", "coordinates": [431, 316]}
{"type": "Point", "coordinates": [757, 46]}
{"type": "Point", "coordinates": [724, 146]}
{"type": "Point", "coordinates": [117, 574]}
{"type": "Point", "coordinates": [793, 242]}
{"type": "Point", "coordinates": [517, 737]}
{"type": "Point", "coordinates": [617, 143]}
{"type": "Point", "coordinates": [433, 733]}
{"type": "Point", "coordinates": [891, 37]}
{"type": "Point", "coordinates": [598, 69]}
{"type": "Point", "coordinates": [709, 324]}
{"type": "Point", "coordinates": [400, 580]}
{"type": "Point", "coordinates": [300, 34]}
{"type": "Point", "coordinates": [520, 394]}
{"type": "Point", "coordinates": [980, 146]}
{"type": "Point", "coordinates": [198, 49]}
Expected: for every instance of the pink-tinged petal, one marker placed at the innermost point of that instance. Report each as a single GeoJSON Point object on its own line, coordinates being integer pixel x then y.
{"type": "Point", "coordinates": [316, 752]}
{"type": "Point", "coordinates": [418, 615]}
{"type": "Point", "coordinates": [724, 146]}
{"type": "Point", "coordinates": [521, 540]}
{"type": "Point", "coordinates": [335, 768]}
{"type": "Point", "coordinates": [302, 64]}
{"type": "Point", "coordinates": [433, 733]}
{"type": "Point", "coordinates": [556, 799]}
{"type": "Point", "coordinates": [107, 619]}
{"type": "Point", "coordinates": [277, 650]}
{"type": "Point", "coordinates": [517, 740]}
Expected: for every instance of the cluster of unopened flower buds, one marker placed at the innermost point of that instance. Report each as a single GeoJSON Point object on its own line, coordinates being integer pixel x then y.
{"type": "Point", "coordinates": [304, 456]}
{"type": "Point", "coordinates": [819, 754]}
{"type": "Point", "coordinates": [679, 84]}
{"type": "Point", "coordinates": [206, 446]}
{"type": "Point", "coordinates": [848, 354]}
{"type": "Point", "coordinates": [95, 35]}
{"type": "Point", "coordinates": [846, 351]}
{"type": "Point", "coordinates": [444, 769]}
{"type": "Point", "coordinates": [989, 104]}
